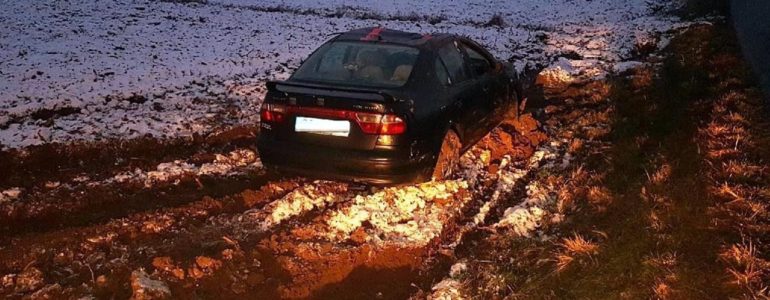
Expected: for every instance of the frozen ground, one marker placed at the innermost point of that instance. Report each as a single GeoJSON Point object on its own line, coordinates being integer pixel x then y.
{"type": "Point", "coordinates": [85, 70]}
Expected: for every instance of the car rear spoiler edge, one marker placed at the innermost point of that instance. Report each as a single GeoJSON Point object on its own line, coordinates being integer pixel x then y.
{"type": "Point", "coordinates": [273, 85]}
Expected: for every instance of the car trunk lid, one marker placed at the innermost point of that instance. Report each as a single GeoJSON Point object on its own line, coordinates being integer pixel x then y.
{"type": "Point", "coordinates": [346, 118]}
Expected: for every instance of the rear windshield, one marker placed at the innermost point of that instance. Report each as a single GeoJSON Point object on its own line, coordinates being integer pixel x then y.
{"type": "Point", "coordinates": [359, 63]}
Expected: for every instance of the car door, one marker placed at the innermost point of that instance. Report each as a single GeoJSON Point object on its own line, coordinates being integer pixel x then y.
{"type": "Point", "coordinates": [461, 91]}
{"type": "Point", "coordinates": [491, 92]}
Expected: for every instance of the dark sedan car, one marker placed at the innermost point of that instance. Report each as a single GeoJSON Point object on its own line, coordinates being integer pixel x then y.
{"type": "Point", "coordinates": [381, 106]}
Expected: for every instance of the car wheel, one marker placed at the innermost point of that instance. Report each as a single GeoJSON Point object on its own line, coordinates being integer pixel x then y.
{"type": "Point", "coordinates": [448, 158]}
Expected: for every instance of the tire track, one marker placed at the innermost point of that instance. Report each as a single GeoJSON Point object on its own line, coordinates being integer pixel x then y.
{"type": "Point", "coordinates": [138, 230]}
{"type": "Point", "coordinates": [84, 202]}
{"type": "Point", "coordinates": [291, 238]}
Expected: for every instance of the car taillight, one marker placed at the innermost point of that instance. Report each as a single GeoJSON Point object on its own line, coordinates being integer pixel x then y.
{"type": "Point", "coordinates": [380, 124]}
{"type": "Point", "coordinates": [273, 113]}
{"type": "Point", "coordinates": [392, 125]}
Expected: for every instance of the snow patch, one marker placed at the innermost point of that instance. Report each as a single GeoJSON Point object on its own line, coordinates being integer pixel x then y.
{"type": "Point", "coordinates": [558, 75]}
{"type": "Point", "coordinates": [458, 269]}
{"type": "Point", "coordinates": [410, 216]}
{"type": "Point", "coordinates": [297, 202]}
{"type": "Point", "coordinates": [143, 287]}
{"type": "Point", "coordinates": [522, 220]}
{"type": "Point", "coordinates": [625, 66]}
{"type": "Point", "coordinates": [125, 69]}
{"type": "Point", "coordinates": [236, 162]}
{"type": "Point", "coordinates": [10, 194]}
{"type": "Point", "coordinates": [406, 215]}
{"type": "Point", "coordinates": [526, 218]}
{"type": "Point", "coordinates": [447, 289]}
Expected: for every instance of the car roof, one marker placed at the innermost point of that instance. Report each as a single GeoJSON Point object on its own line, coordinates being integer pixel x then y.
{"type": "Point", "coordinates": [391, 36]}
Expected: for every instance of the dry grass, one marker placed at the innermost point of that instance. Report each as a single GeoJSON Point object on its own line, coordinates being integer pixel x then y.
{"type": "Point", "coordinates": [563, 261]}
{"type": "Point", "coordinates": [743, 169]}
{"type": "Point", "coordinates": [736, 117]}
{"type": "Point", "coordinates": [716, 130]}
{"type": "Point", "coordinates": [743, 254]}
{"type": "Point", "coordinates": [569, 193]}
{"type": "Point", "coordinates": [745, 266]}
{"type": "Point", "coordinates": [663, 261]}
{"type": "Point", "coordinates": [656, 223]}
{"type": "Point", "coordinates": [642, 78]}
{"type": "Point", "coordinates": [579, 245]}
{"type": "Point", "coordinates": [749, 209]}
{"type": "Point", "coordinates": [739, 173]}
{"type": "Point", "coordinates": [661, 175]}
{"type": "Point", "coordinates": [654, 198]}
{"type": "Point", "coordinates": [662, 290]}
{"type": "Point", "coordinates": [722, 153]}
{"type": "Point", "coordinates": [593, 118]}
{"type": "Point", "coordinates": [596, 133]}
{"type": "Point", "coordinates": [726, 191]}
{"type": "Point", "coordinates": [566, 200]}
{"type": "Point", "coordinates": [572, 248]}
{"type": "Point", "coordinates": [675, 157]}
{"type": "Point", "coordinates": [746, 276]}
{"type": "Point", "coordinates": [599, 198]}
{"type": "Point", "coordinates": [575, 146]}
{"type": "Point", "coordinates": [664, 264]}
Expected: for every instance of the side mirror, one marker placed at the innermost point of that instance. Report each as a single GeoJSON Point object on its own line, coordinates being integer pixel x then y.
{"type": "Point", "coordinates": [499, 67]}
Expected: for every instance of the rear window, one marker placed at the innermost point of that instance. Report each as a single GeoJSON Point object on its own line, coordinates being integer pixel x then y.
{"type": "Point", "coordinates": [359, 63]}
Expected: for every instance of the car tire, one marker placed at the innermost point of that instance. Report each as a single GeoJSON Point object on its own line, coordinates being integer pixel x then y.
{"type": "Point", "coordinates": [448, 157]}
{"type": "Point", "coordinates": [514, 112]}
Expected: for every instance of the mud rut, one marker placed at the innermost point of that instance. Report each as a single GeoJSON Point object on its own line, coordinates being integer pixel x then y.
{"type": "Point", "coordinates": [250, 234]}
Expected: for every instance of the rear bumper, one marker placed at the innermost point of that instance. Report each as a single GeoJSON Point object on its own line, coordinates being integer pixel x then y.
{"type": "Point", "coordinates": [377, 167]}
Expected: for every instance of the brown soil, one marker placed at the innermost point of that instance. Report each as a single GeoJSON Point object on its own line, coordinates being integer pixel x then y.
{"type": "Point", "coordinates": [32, 167]}
{"type": "Point", "coordinates": [198, 237]}
{"type": "Point", "coordinates": [666, 197]}
{"type": "Point", "coordinates": [86, 205]}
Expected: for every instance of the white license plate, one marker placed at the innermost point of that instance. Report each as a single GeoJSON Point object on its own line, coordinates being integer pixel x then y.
{"type": "Point", "coordinates": [322, 126]}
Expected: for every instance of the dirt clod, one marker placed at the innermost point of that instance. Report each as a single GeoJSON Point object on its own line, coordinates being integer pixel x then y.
{"type": "Point", "coordinates": [554, 80]}
{"type": "Point", "coordinates": [145, 288]}
{"type": "Point", "coordinates": [359, 236]}
{"type": "Point", "coordinates": [29, 280]}
{"type": "Point", "coordinates": [207, 262]}
{"type": "Point", "coordinates": [51, 291]}
{"type": "Point", "coordinates": [166, 264]}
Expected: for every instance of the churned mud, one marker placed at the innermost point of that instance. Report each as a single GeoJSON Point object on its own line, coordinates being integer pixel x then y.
{"type": "Point", "coordinates": [201, 218]}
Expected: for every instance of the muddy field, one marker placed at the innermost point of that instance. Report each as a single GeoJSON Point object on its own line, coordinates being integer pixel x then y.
{"type": "Point", "coordinates": [200, 218]}
{"type": "Point", "coordinates": [77, 229]}
{"type": "Point", "coordinates": [647, 180]}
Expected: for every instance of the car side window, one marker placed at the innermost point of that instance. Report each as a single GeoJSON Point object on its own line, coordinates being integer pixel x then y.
{"type": "Point", "coordinates": [478, 63]}
{"type": "Point", "coordinates": [441, 73]}
{"type": "Point", "coordinates": [454, 62]}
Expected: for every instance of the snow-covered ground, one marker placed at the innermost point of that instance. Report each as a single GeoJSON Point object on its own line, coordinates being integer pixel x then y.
{"type": "Point", "coordinates": [90, 70]}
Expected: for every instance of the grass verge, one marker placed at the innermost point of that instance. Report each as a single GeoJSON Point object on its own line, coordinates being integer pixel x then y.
{"type": "Point", "coordinates": [671, 202]}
